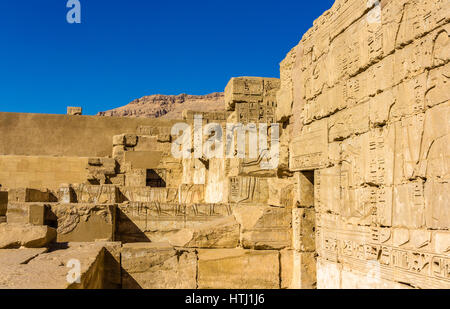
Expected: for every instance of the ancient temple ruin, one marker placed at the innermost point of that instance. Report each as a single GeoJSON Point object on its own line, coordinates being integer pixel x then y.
{"type": "Point", "coordinates": [359, 197]}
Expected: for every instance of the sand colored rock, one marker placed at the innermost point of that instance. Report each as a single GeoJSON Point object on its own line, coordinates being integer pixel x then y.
{"type": "Point", "coordinates": [228, 269]}
{"type": "Point", "coordinates": [84, 222]}
{"type": "Point", "coordinates": [158, 266]}
{"type": "Point", "coordinates": [25, 235]}
{"type": "Point", "coordinates": [220, 233]}
{"type": "Point", "coordinates": [169, 107]}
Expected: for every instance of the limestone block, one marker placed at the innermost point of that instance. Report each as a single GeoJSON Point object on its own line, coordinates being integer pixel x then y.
{"type": "Point", "coordinates": [326, 103]}
{"type": "Point", "coordinates": [101, 166]}
{"type": "Point", "coordinates": [119, 140]}
{"type": "Point", "coordinates": [147, 143]}
{"type": "Point", "coordinates": [264, 227]}
{"type": "Point", "coordinates": [437, 205]}
{"type": "Point", "coordinates": [10, 257]}
{"type": "Point", "coordinates": [136, 178]}
{"type": "Point", "coordinates": [3, 203]}
{"type": "Point", "coordinates": [328, 274]}
{"type": "Point", "coordinates": [304, 270]}
{"type": "Point", "coordinates": [118, 153]}
{"type": "Point", "coordinates": [303, 229]}
{"type": "Point", "coordinates": [158, 266]}
{"type": "Point", "coordinates": [309, 149]}
{"type": "Point", "coordinates": [327, 189]}
{"type": "Point", "coordinates": [84, 222]}
{"type": "Point", "coordinates": [285, 96]}
{"type": "Point", "coordinates": [148, 194]}
{"type": "Point", "coordinates": [410, 97]}
{"type": "Point", "coordinates": [434, 160]}
{"type": "Point", "coordinates": [298, 269]}
{"type": "Point", "coordinates": [243, 89]}
{"type": "Point", "coordinates": [95, 161]}
{"type": "Point", "coordinates": [380, 107]}
{"type": "Point", "coordinates": [409, 206]}
{"type": "Point", "coordinates": [413, 59]}
{"type": "Point", "coordinates": [408, 137]}
{"type": "Point", "coordinates": [157, 221]}
{"type": "Point", "coordinates": [351, 121]}
{"type": "Point", "coordinates": [48, 270]}
{"type": "Point", "coordinates": [74, 111]}
{"type": "Point", "coordinates": [144, 159]}
{"type": "Point", "coordinates": [229, 269]}
{"type": "Point", "coordinates": [437, 86]}
{"type": "Point", "coordinates": [101, 194]}
{"type": "Point", "coordinates": [220, 233]}
{"type": "Point", "coordinates": [191, 194]}
{"type": "Point", "coordinates": [281, 192]}
{"type": "Point", "coordinates": [243, 189]}
{"type": "Point", "coordinates": [27, 195]}
{"type": "Point", "coordinates": [66, 194]}
{"type": "Point", "coordinates": [287, 268]}
{"type": "Point", "coordinates": [24, 213]}
{"type": "Point", "coordinates": [26, 235]}
{"type": "Point", "coordinates": [216, 182]}
{"type": "Point", "coordinates": [441, 241]}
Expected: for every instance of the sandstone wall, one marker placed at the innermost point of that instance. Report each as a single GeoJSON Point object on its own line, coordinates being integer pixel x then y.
{"type": "Point", "coordinates": [366, 93]}
{"type": "Point", "coordinates": [64, 135]}
{"type": "Point", "coordinates": [41, 172]}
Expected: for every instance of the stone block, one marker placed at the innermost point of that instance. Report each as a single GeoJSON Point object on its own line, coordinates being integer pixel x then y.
{"type": "Point", "coordinates": [74, 111]}
{"type": "Point", "coordinates": [303, 229]}
{"type": "Point", "coordinates": [281, 192]}
{"type": "Point", "coordinates": [309, 148]}
{"type": "Point", "coordinates": [25, 235]}
{"type": "Point", "coordinates": [220, 233]}
{"type": "Point", "coordinates": [409, 207]}
{"type": "Point", "coordinates": [229, 269]}
{"type": "Point", "coordinates": [97, 194]}
{"type": "Point", "coordinates": [28, 195]}
{"type": "Point", "coordinates": [264, 227]}
{"type": "Point", "coordinates": [158, 266]}
{"type": "Point", "coordinates": [66, 194]}
{"type": "Point", "coordinates": [84, 222]}
{"type": "Point", "coordinates": [437, 205]}
{"type": "Point", "coordinates": [25, 213]}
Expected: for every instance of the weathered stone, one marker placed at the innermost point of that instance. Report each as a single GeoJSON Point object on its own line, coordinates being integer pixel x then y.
{"type": "Point", "coordinates": [84, 222]}
{"type": "Point", "coordinates": [52, 270]}
{"type": "Point", "coordinates": [303, 229]}
{"type": "Point", "coordinates": [158, 266]}
{"type": "Point", "coordinates": [27, 195]}
{"type": "Point", "coordinates": [102, 194]}
{"type": "Point", "coordinates": [24, 213]}
{"type": "Point", "coordinates": [228, 269]}
{"type": "Point", "coordinates": [18, 235]}
{"type": "Point", "coordinates": [220, 233]}
{"type": "Point", "coordinates": [264, 227]}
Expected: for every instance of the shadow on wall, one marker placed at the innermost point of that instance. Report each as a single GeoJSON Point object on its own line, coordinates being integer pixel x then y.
{"type": "Point", "coordinates": [128, 231]}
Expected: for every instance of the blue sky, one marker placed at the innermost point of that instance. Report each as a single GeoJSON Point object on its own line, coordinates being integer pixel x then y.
{"type": "Point", "coordinates": [125, 49]}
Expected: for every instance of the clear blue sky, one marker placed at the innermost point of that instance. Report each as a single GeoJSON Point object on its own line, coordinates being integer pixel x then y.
{"type": "Point", "coordinates": [125, 49]}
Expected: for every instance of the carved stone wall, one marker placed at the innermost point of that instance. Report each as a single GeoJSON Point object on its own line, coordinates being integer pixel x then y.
{"type": "Point", "coordinates": [366, 92]}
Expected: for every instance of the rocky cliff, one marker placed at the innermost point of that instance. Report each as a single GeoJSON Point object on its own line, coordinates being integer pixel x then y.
{"type": "Point", "coordinates": [168, 106]}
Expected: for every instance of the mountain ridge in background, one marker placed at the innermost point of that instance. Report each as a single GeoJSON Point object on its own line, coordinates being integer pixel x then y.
{"type": "Point", "coordinates": [168, 106]}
